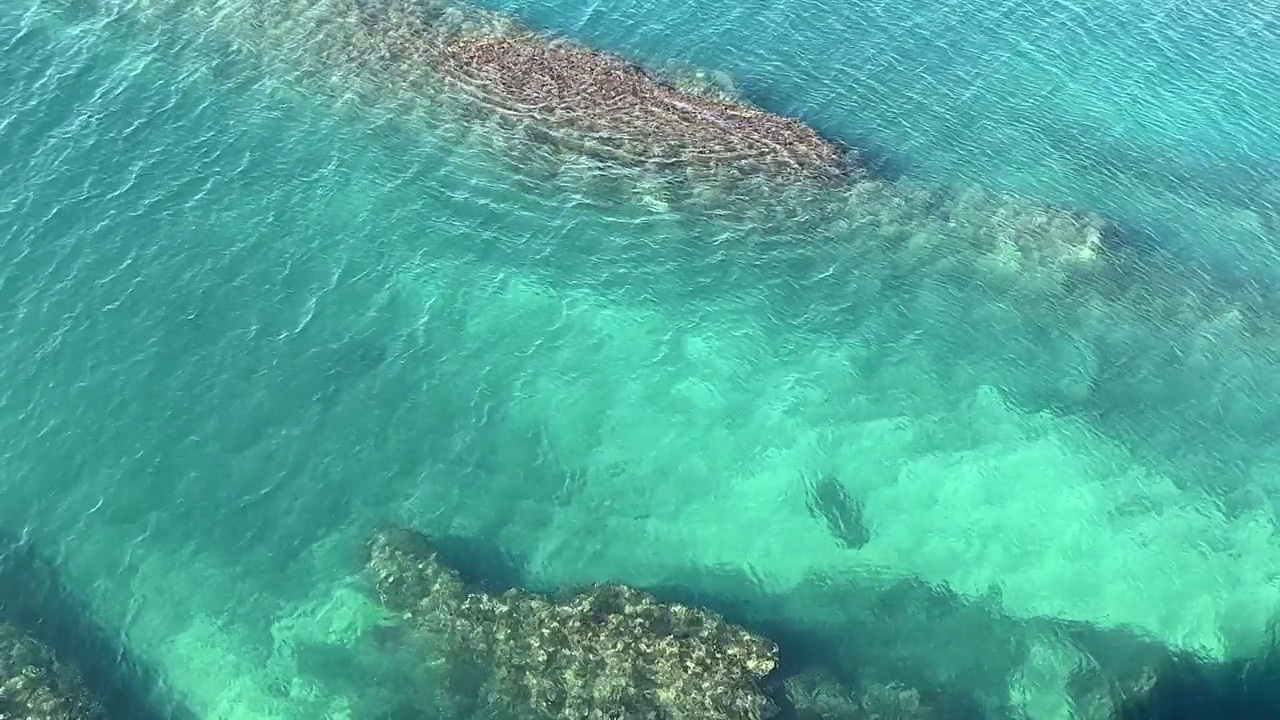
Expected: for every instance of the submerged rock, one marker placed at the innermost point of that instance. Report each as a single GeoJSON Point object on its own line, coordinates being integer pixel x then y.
{"type": "Point", "coordinates": [56, 661]}
{"type": "Point", "coordinates": [34, 685]}
{"type": "Point", "coordinates": [604, 652]}
{"type": "Point", "coordinates": [580, 99]}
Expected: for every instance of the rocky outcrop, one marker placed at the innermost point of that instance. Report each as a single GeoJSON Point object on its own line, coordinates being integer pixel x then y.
{"type": "Point", "coordinates": [34, 685]}
{"type": "Point", "coordinates": [604, 652]}
{"type": "Point", "coordinates": [580, 99]}
{"type": "Point", "coordinates": [614, 108]}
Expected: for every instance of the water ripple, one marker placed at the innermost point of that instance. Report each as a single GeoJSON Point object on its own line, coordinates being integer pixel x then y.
{"type": "Point", "coordinates": [253, 296]}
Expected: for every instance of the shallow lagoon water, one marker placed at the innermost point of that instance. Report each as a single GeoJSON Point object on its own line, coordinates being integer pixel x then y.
{"type": "Point", "coordinates": [256, 299]}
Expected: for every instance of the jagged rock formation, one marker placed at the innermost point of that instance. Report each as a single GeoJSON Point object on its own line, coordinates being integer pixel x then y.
{"type": "Point", "coordinates": [34, 685]}
{"type": "Point", "coordinates": [605, 652]}
{"type": "Point", "coordinates": [593, 102]}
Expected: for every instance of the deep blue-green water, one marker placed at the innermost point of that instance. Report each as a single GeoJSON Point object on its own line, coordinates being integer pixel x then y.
{"type": "Point", "coordinates": [256, 297]}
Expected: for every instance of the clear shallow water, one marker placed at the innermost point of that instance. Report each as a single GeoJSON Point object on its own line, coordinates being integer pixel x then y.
{"type": "Point", "coordinates": [254, 301]}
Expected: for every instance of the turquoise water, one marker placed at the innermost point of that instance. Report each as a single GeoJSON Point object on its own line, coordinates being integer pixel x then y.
{"type": "Point", "coordinates": [1157, 113]}
{"type": "Point", "coordinates": [256, 297]}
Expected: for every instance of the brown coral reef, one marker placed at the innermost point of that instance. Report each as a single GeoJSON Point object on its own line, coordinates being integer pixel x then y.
{"type": "Point", "coordinates": [596, 103]}
{"type": "Point", "coordinates": [605, 652]}
{"type": "Point", "coordinates": [620, 110]}
{"type": "Point", "coordinates": [35, 686]}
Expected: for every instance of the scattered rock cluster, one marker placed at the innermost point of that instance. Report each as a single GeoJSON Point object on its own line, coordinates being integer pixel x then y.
{"type": "Point", "coordinates": [34, 685]}
{"type": "Point", "coordinates": [604, 652]}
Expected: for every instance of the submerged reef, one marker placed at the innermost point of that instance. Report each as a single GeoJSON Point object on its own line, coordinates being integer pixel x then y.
{"type": "Point", "coordinates": [562, 94]}
{"type": "Point", "coordinates": [832, 649]}
{"type": "Point", "coordinates": [620, 110]}
{"type": "Point", "coordinates": [607, 651]}
{"type": "Point", "coordinates": [35, 686]}
{"type": "Point", "coordinates": [56, 661]}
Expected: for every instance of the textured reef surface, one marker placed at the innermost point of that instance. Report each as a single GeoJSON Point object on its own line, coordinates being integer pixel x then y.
{"type": "Point", "coordinates": [562, 94]}
{"type": "Point", "coordinates": [606, 652]}
{"type": "Point", "coordinates": [34, 685]}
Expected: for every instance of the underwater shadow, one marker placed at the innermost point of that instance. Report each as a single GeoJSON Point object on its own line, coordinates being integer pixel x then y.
{"type": "Point", "coordinates": [860, 635]}
{"type": "Point", "coordinates": [1190, 688]}
{"type": "Point", "coordinates": [35, 600]}
{"type": "Point", "coordinates": [483, 565]}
